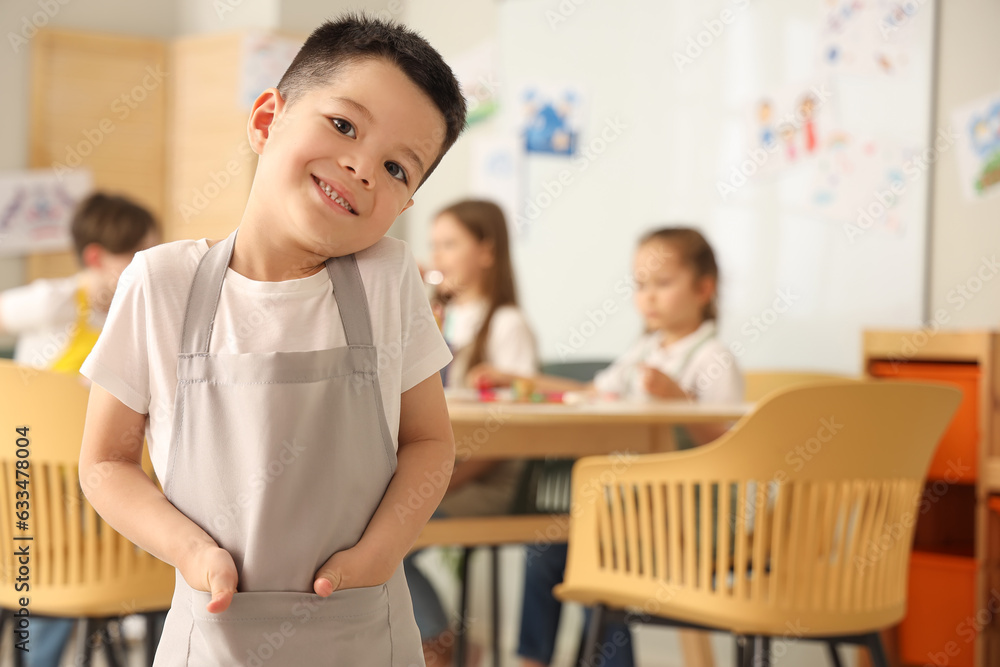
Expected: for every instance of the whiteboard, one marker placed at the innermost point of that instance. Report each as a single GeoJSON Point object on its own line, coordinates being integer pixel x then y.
{"type": "Point", "coordinates": [798, 283]}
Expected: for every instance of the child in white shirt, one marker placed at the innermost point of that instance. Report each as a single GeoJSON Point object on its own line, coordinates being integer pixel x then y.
{"type": "Point", "coordinates": [677, 358]}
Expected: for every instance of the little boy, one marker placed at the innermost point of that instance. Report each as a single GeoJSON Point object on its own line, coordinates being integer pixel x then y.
{"type": "Point", "coordinates": [286, 377]}
{"type": "Point", "coordinates": [57, 320]}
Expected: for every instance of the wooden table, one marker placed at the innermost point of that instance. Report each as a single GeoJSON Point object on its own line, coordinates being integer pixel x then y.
{"type": "Point", "coordinates": [537, 430]}
{"type": "Point", "coordinates": [506, 430]}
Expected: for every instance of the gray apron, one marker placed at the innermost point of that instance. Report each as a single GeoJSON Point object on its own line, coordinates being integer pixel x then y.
{"type": "Point", "coordinates": [282, 457]}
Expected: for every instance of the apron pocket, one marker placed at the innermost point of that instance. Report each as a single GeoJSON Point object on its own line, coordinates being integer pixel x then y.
{"type": "Point", "coordinates": [350, 628]}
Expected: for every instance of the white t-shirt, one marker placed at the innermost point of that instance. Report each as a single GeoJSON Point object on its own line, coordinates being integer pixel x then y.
{"type": "Point", "coordinates": [510, 344]}
{"type": "Point", "coordinates": [135, 357]}
{"type": "Point", "coordinates": [43, 314]}
{"type": "Point", "coordinates": [699, 363]}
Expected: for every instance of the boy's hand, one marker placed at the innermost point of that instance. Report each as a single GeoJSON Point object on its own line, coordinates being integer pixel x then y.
{"type": "Point", "coordinates": [211, 569]}
{"type": "Point", "coordinates": [660, 385]}
{"type": "Point", "coordinates": [351, 568]}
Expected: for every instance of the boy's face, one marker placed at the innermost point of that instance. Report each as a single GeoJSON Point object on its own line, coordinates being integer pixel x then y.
{"type": "Point", "coordinates": [343, 161]}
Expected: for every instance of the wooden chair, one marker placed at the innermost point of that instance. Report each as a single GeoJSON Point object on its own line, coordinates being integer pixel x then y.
{"type": "Point", "coordinates": [843, 463]}
{"type": "Point", "coordinates": [758, 384]}
{"type": "Point", "coordinates": [79, 566]}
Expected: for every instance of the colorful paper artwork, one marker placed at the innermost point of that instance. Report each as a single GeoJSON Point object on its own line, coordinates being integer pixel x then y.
{"type": "Point", "coordinates": [552, 119]}
{"type": "Point", "coordinates": [36, 207]}
{"type": "Point", "coordinates": [978, 128]}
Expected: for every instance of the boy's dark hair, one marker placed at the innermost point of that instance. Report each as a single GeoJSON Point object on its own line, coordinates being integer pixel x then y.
{"type": "Point", "coordinates": [355, 37]}
{"type": "Point", "coordinates": [115, 223]}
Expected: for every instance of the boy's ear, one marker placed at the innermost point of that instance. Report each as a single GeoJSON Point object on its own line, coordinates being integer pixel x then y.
{"type": "Point", "coordinates": [266, 109]}
{"type": "Point", "coordinates": [92, 255]}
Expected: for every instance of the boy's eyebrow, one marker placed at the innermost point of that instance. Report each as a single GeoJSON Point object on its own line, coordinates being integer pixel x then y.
{"type": "Point", "coordinates": [363, 110]}
{"type": "Point", "coordinates": [360, 108]}
{"type": "Point", "coordinates": [412, 154]}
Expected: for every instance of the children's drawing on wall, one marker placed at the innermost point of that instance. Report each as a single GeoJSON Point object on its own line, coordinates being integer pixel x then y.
{"type": "Point", "coordinates": [867, 37]}
{"type": "Point", "coordinates": [784, 130]}
{"type": "Point", "coordinates": [36, 207]}
{"type": "Point", "coordinates": [552, 119]}
{"type": "Point", "coordinates": [978, 128]}
{"type": "Point", "coordinates": [477, 73]}
{"type": "Point", "coordinates": [862, 184]}
{"type": "Point", "coordinates": [264, 59]}
{"type": "Point", "coordinates": [789, 125]}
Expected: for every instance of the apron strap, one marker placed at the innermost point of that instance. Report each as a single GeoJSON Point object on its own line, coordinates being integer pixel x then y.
{"type": "Point", "coordinates": [206, 290]}
{"type": "Point", "coordinates": [351, 299]}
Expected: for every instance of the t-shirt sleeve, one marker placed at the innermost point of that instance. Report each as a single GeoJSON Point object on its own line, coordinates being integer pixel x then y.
{"type": "Point", "coordinates": [29, 307]}
{"type": "Point", "coordinates": [511, 346]}
{"type": "Point", "coordinates": [424, 349]}
{"type": "Point", "coordinates": [719, 379]}
{"type": "Point", "coordinates": [119, 361]}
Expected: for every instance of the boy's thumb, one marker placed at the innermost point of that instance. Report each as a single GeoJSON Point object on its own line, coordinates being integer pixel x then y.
{"type": "Point", "coordinates": [327, 582]}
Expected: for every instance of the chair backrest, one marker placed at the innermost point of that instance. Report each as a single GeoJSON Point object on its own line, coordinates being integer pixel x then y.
{"type": "Point", "coordinates": [79, 565]}
{"type": "Point", "coordinates": [803, 512]}
{"type": "Point", "coordinates": [758, 384]}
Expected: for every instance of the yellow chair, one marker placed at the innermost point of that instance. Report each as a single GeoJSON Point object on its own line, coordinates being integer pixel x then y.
{"type": "Point", "coordinates": [79, 567]}
{"type": "Point", "coordinates": [826, 477]}
{"type": "Point", "coordinates": [758, 384]}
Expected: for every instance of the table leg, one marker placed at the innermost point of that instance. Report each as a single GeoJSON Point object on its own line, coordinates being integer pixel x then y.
{"type": "Point", "coordinates": [696, 649]}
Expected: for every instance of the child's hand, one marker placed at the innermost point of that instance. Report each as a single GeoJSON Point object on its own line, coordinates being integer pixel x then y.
{"type": "Point", "coordinates": [211, 569]}
{"type": "Point", "coordinates": [351, 568]}
{"type": "Point", "coordinates": [485, 376]}
{"type": "Point", "coordinates": [660, 385]}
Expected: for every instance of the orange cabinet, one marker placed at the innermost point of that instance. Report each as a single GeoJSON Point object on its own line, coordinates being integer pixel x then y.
{"type": "Point", "coordinates": [940, 626]}
{"type": "Point", "coordinates": [956, 459]}
{"type": "Point", "coordinates": [954, 581]}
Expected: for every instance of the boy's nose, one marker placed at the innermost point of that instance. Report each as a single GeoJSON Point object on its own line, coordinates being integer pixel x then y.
{"type": "Point", "coordinates": [355, 172]}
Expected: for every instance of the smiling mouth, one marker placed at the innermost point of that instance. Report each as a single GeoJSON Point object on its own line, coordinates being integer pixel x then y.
{"type": "Point", "coordinates": [332, 194]}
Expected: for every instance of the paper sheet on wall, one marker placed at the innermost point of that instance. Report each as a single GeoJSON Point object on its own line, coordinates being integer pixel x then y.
{"type": "Point", "coordinates": [978, 150]}
{"type": "Point", "coordinates": [496, 175]}
{"type": "Point", "coordinates": [552, 117]}
{"type": "Point", "coordinates": [868, 37]}
{"type": "Point", "coordinates": [477, 72]}
{"type": "Point", "coordinates": [36, 207]}
{"type": "Point", "coordinates": [264, 59]}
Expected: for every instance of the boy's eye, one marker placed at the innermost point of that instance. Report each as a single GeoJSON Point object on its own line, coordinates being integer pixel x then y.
{"type": "Point", "coordinates": [395, 171]}
{"type": "Point", "coordinates": [343, 127]}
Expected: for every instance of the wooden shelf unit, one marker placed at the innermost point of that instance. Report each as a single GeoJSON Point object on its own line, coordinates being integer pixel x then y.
{"type": "Point", "coordinates": [955, 573]}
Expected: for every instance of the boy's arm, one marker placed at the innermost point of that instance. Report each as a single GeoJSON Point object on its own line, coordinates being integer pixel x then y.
{"type": "Point", "coordinates": [114, 482]}
{"type": "Point", "coordinates": [426, 452]}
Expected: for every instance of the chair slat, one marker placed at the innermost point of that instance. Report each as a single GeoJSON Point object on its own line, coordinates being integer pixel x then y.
{"type": "Point", "coordinates": [631, 528]}
{"type": "Point", "coordinates": [604, 529]}
{"type": "Point", "coordinates": [618, 528]}
{"type": "Point", "coordinates": [706, 535]}
{"type": "Point", "coordinates": [780, 543]}
{"type": "Point", "coordinates": [760, 536]}
{"type": "Point", "coordinates": [646, 537]}
{"type": "Point", "coordinates": [809, 557]}
{"type": "Point", "coordinates": [877, 569]}
{"type": "Point", "coordinates": [688, 535]}
{"type": "Point", "coordinates": [674, 490]}
{"type": "Point", "coordinates": [658, 493]}
{"type": "Point", "coordinates": [724, 526]}
{"type": "Point", "coordinates": [57, 485]}
{"type": "Point", "coordinates": [740, 588]}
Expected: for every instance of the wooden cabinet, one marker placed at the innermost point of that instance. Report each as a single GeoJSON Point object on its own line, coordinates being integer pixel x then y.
{"type": "Point", "coordinates": [954, 593]}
